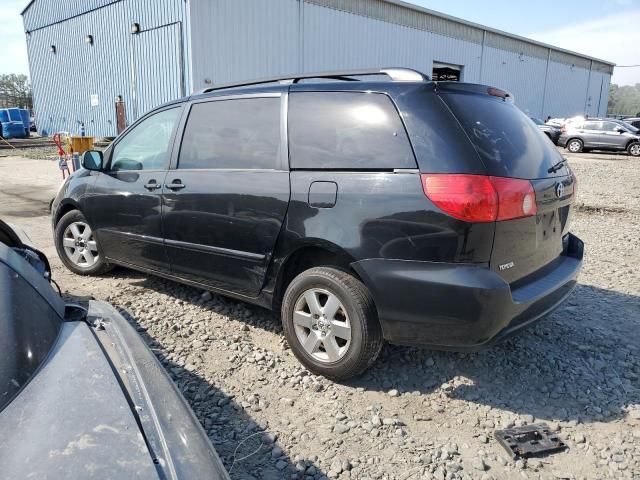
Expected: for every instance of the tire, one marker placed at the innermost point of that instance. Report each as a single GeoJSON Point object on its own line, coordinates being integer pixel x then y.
{"type": "Point", "coordinates": [73, 241]}
{"type": "Point", "coordinates": [634, 149]}
{"type": "Point", "coordinates": [345, 342]}
{"type": "Point", "coordinates": [575, 145]}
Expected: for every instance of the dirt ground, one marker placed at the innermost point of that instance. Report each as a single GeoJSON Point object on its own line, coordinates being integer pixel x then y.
{"type": "Point", "coordinates": [416, 413]}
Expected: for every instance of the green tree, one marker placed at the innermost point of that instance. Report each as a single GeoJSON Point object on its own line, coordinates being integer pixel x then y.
{"type": "Point", "coordinates": [624, 100]}
{"type": "Point", "coordinates": [15, 91]}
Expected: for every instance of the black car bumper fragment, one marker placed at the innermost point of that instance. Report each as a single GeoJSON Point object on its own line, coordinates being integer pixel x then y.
{"type": "Point", "coordinates": [463, 306]}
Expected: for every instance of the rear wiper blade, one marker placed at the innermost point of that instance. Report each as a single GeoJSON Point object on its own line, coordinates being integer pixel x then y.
{"type": "Point", "coordinates": [557, 166]}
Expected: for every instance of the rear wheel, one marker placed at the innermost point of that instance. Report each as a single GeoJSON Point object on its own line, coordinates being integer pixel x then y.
{"type": "Point", "coordinates": [330, 322]}
{"type": "Point", "coordinates": [575, 145]}
{"type": "Point", "coordinates": [77, 246]}
{"type": "Point", "coordinates": [634, 149]}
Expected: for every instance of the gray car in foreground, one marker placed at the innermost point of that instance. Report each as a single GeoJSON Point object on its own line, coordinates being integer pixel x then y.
{"type": "Point", "coordinates": [600, 134]}
{"type": "Point", "coordinates": [81, 395]}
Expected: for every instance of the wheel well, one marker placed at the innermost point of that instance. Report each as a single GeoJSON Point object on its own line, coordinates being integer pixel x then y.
{"type": "Point", "coordinates": [304, 259]}
{"type": "Point", "coordinates": [63, 210]}
{"type": "Point", "coordinates": [629, 143]}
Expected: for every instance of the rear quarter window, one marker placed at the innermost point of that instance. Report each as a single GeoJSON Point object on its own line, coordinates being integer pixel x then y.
{"type": "Point", "coordinates": [346, 130]}
{"type": "Point", "coordinates": [507, 141]}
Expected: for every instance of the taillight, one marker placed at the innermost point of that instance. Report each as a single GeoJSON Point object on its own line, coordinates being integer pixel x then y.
{"type": "Point", "coordinates": [563, 128]}
{"type": "Point", "coordinates": [480, 198]}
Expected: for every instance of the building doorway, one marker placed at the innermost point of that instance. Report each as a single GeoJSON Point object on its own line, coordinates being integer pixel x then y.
{"type": "Point", "coordinates": [446, 72]}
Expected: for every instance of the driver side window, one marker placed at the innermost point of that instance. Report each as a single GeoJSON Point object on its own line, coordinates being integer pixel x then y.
{"type": "Point", "coordinates": [147, 146]}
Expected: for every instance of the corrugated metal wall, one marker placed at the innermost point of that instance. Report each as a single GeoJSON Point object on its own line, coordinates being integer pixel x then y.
{"type": "Point", "coordinates": [245, 39]}
{"type": "Point", "coordinates": [334, 40]}
{"type": "Point", "coordinates": [521, 74]}
{"type": "Point", "coordinates": [64, 81]}
{"type": "Point", "coordinates": [232, 40]}
{"type": "Point", "coordinates": [42, 13]}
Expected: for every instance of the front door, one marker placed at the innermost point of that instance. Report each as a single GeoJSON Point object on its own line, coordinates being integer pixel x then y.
{"type": "Point", "coordinates": [227, 196]}
{"type": "Point", "coordinates": [125, 204]}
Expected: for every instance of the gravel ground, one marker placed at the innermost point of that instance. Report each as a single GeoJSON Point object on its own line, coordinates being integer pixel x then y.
{"type": "Point", "coordinates": [416, 413]}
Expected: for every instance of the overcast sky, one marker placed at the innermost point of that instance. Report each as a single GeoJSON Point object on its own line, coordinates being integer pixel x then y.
{"type": "Point", "coordinates": [606, 29]}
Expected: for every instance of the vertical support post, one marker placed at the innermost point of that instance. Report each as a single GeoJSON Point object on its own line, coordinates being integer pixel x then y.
{"type": "Point", "coordinates": [484, 40]}
{"type": "Point", "coordinates": [544, 88]}
{"type": "Point", "coordinates": [586, 98]}
{"type": "Point", "coordinates": [300, 36]}
{"type": "Point", "coordinates": [132, 60]}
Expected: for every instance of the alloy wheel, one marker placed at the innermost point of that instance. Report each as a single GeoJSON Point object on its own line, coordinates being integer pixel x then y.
{"type": "Point", "coordinates": [635, 150]}
{"type": "Point", "coordinates": [322, 325]}
{"type": "Point", "coordinates": [574, 147]}
{"type": "Point", "coordinates": [80, 245]}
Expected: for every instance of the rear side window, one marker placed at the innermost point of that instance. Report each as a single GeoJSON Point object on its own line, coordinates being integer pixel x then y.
{"type": "Point", "coordinates": [610, 126]}
{"type": "Point", "coordinates": [508, 142]}
{"type": "Point", "coordinates": [345, 130]}
{"type": "Point", "coordinates": [589, 126]}
{"type": "Point", "coordinates": [232, 134]}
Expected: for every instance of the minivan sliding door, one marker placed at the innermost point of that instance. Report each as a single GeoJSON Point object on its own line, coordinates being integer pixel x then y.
{"type": "Point", "coordinates": [226, 199]}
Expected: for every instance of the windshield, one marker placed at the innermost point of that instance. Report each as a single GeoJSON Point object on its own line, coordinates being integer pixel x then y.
{"type": "Point", "coordinates": [629, 127]}
{"type": "Point", "coordinates": [29, 326]}
{"type": "Point", "coordinates": [507, 141]}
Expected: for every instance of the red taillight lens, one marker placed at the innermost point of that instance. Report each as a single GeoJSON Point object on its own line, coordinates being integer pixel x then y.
{"type": "Point", "coordinates": [479, 198]}
{"type": "Point", "coordinates": [466, 197]}
{"type": "Point", "coordinates": [516, 198]}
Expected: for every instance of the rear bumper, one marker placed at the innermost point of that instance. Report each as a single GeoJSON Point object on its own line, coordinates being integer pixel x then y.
{"type": "Point", "coordinates": [463, 306]}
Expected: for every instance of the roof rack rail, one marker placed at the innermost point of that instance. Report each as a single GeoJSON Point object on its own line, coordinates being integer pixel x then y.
{"type": "Point", "coordinates": [395, 74]}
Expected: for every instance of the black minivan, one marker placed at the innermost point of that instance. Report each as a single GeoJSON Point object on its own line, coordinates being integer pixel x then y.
{"type": "Point", "coordinates": [365, 206]}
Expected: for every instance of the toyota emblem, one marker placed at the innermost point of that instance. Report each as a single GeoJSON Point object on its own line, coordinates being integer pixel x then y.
{"type": "Point", "coordinates": [559, 190]}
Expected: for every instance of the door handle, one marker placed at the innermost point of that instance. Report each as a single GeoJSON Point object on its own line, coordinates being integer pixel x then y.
{"type": "Point", "coordinates": [152, 185]}
{"type": "Point", "coordinates": [175, 185]}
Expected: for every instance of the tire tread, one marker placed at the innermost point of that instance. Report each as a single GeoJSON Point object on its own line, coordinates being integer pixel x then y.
{"type": "Point", "coordinates": [372, 339]}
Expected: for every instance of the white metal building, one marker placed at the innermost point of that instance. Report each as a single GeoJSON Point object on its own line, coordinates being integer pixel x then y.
{"type": "Point", "coordinates": [83, 55]}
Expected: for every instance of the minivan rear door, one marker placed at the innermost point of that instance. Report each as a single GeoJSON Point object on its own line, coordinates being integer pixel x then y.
{"type": "Point", "coordinates": [227, 193]}
{"type": "Point", "coordinates": [510, 145]}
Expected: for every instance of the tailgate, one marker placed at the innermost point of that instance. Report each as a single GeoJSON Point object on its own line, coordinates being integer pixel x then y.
{"type": "Point", "coordinates": [510, 145]}
{"type": "Point", "coordinates": [524, 245]}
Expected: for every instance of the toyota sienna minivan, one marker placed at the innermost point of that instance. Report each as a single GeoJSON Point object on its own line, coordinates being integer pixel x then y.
{"type": "Point", "coordinates": [365, 207]}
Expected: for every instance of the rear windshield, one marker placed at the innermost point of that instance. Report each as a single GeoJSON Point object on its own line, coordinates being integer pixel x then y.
{"type": "Point", "coordinates": [508, 142]}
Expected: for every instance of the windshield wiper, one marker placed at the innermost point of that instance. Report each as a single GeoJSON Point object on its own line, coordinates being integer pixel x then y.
{"type": "Point", "coordinates": [557, 166]}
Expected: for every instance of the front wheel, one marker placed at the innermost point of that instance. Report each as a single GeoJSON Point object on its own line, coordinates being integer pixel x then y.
{"type": "Point", "coordinates": [330, 322]}
{"type": "Point", "coordinates": [575, 145]}
{"type": "Point", "coordinates": [77, 246]}
{"type": "Point", "coordinates": [634, 149]}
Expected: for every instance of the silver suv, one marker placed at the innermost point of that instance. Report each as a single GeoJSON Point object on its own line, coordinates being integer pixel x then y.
{"type": "Point", "coordinates": [600, 134]}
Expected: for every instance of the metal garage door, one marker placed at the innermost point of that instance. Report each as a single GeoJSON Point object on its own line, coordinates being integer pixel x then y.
{"type": "Point", "coordinates": [157, 64]}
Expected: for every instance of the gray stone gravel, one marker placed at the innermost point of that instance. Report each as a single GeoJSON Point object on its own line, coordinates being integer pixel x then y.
{"type": "Point", "coordinates": [416, 413]}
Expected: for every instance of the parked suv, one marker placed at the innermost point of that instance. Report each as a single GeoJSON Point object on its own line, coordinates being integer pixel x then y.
{"type": "Point", "coordinates": [600, 134]}
{"type": "Point", "coordinates": [362, 208]}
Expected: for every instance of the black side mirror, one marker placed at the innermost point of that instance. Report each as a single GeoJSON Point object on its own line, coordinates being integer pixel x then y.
{"type": "Point", "coordinates": [621, 130]}
{"type": "Point", "coordinates": [92, 160]}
